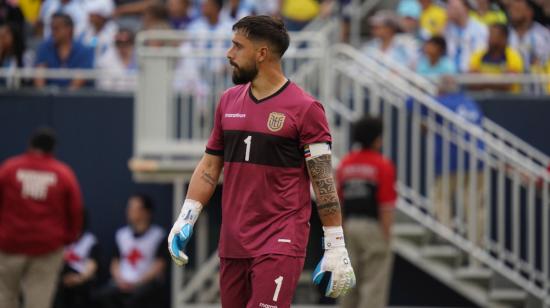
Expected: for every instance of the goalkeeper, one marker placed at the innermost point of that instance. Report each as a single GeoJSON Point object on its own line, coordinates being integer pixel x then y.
{"type": "Point", "coordinates": [271, 139]}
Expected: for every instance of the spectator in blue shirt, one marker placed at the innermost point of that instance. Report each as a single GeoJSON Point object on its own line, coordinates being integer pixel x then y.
{"type": "Point", "coordinates": [62, 51]}
{"type": "Point", "coordinates": [434, 62]}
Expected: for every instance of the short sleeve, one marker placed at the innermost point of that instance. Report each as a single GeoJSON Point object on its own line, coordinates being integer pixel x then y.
{"type": "Point", "coordinates": [215, 142]}
{"type": "Point", "coordinates": [475, 61]}
{"type": "Point", "coordinates": [314, 126]}
{"type": "Point", "coordinates": [515, 63]}
{"type": "Point", "coordinates": [386, 187]}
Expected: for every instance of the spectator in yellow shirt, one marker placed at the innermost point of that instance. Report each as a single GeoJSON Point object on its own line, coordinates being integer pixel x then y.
{"type": "Point", "coordinates": [498, 58]}
{"type": "Point", "coordinates": [432, 20]}
{"type": "Point", "coordinates": [488, 12]}
{"type": "Point", "coordinates": [298, 13]}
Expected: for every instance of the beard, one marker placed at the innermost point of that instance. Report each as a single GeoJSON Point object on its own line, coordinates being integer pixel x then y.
{"type": "Point", "coordinates": [243, 75]}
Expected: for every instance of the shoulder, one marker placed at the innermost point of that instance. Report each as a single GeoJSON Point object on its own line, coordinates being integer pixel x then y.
{"type": "Point", "coordinates": [122, 232]}
{"type": "Point", "coordinates": [62, 168]}
{"type": "Point", "coordinates": [386, 164]}
{"type": "Point", "coordinates": [83, 49]}
{"type": "Point", "coordinates": [11, 163]}
{"type": "Point", "coordinates": [233, 92]}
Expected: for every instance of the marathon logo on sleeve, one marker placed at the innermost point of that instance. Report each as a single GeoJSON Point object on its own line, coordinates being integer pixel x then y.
{"type": "Point", "coordinates": [35, 183]}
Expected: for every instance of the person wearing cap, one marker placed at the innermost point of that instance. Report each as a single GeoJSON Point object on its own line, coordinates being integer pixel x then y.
{"type": "Point", "coordinates": [464, 34]}
{"type": "Point", "coordinates": [101, 32]}
{"type": "Point", "coordinates": [409, 12]}
{"type": "Point", "coordinates": [40, 212]}
{"type": "Point", "coordinates": [385, 29]}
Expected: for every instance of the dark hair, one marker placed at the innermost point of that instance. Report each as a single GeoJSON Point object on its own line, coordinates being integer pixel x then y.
{"type": "Point", "coordinates": [265, 28]}
{"type": "Point", "coordinates": [18, 43]}
{"type": "Point", "coordinates": [366, 130]}
{"type": "Point", "coordinates": [146, 201]}
{"type": "Point", "coordinates": [158, 11]}
{"type": "Point", "coordinates": [440, 42]}
{"type": "Point", "coordinates": [67, 20]}
{"type": "Point", "coordinates": [43, 139]}
{"type": "Point", "coordinates": [219, 3]}
{"type": "Point", "coordinates": [503, 28]}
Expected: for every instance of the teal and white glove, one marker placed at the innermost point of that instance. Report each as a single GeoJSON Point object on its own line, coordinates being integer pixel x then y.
{"type": "Point", "coordinates": [182, 230]}
{"type": "Point", "coordinates": [336, 263]}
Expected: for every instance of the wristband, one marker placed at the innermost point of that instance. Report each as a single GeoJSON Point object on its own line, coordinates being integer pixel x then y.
{"type": "Point", "coordinates": [190, 211]}
{"type": "Point", "coordinates": [334, 237]}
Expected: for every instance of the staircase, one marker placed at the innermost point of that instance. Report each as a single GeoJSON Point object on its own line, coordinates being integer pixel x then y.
{"type": "Point", "coordinates": [509, 268]}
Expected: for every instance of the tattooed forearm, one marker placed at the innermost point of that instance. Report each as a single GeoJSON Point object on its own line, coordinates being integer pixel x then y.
{"type": "Point", "coordinates": [208, 178]}
{"type": "Point", "coordinates": [320, 171]}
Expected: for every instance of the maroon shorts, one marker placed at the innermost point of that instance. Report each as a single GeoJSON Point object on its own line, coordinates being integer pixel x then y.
{"type": "Point", "coordinates": [267, 281]}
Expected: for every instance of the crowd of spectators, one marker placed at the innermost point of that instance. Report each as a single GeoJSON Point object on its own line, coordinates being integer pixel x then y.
{"type": "Point", "coordinates": [432, 37]}
{"type": "Point", "coordinates": [437, 38]}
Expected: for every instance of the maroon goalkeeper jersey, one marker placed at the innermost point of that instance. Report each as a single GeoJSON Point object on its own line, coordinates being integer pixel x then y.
{"type": "Point", "coordinates": [266, 198]}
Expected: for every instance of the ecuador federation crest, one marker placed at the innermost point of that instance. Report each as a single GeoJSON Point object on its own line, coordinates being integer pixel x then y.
{"type": "Point", "coordinates": [275, 121]}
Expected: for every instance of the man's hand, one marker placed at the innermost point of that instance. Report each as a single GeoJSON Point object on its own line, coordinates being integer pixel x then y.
{"type": "Point", "coordinates": [182, 230]}
{"type": "Point", "coordinates": [335, 263]}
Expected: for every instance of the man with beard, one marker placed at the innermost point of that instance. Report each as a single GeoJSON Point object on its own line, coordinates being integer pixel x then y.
{"type": "Point", "coordinates": [268, 136]}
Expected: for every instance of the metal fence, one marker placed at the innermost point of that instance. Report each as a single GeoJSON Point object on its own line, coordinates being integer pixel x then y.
{"type": "Point", "coordinates": [475, 187]}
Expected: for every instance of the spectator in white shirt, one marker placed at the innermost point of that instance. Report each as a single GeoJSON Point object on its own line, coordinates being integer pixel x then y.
{"type": "Point", "coordinates": [119, 64]}
{"type": "Point", "coordinates": [234, 10]}
{"type": "Point", "coordinates": [101, 32]}
{"type": "Point", "coordinates": [527, 36]}
{"type": "Point", "coordinates": [464, 34]}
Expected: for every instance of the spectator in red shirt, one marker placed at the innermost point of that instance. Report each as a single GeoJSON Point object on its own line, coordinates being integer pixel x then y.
{"type": "Point", "coordinates": [366, 186]}
{"type": "Point", "coordinates": [40, 212]}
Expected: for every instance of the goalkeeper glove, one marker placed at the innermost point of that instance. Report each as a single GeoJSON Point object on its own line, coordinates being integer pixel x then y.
{"type": "Point", "coordinates": [182, 230]}
{"type": "Point", "coordinates": [335, 263]}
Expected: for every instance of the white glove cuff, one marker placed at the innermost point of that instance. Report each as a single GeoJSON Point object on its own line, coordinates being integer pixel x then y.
{"type": "Point", "coordinates": [190, 211]}
{"type": "Point", "coordinates": [334, 237]}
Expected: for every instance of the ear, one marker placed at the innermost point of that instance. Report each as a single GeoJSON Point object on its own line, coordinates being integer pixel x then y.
{"type": "Point", "coordinates": [262, 53]}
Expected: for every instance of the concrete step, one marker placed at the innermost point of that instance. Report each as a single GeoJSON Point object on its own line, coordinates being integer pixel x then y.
{"type": "Point", "coordinates": [440, 252]}
{"type": "Point", "coordinates": [508, 295]}
{"type": "Point", "coordinates": [474, 273]}
{"type": "Point", "coordinates": [409, 230]}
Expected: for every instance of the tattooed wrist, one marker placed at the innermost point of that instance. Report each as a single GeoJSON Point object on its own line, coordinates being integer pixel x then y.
{"type": "Point", "coordinates": [320, 170]}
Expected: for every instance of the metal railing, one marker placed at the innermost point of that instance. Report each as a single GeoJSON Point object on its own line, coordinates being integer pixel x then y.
{"type": "Point", "coordinates": [475, 187]}
{"type": "Point", "coordinates": [187, 75]}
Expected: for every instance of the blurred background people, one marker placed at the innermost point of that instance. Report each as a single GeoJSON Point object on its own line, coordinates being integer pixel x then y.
{"type": "Point", "coordinates": [81, 261]}
{"type": "Point", "coordinates": [118, 64]}
{"type": "Point", "coordinates": [529, 37]}
{"type": "Point", "coordinates": [498, 58]}
{"type": "Point", "coordinates": [432, 20]}
{"type": "Point", "coordinates": [40, 212]}
{"type": "Point", "coordinates": [399, 48]}
{"type": "Point", "coordinates": [366, 184]}
{"type": "Point", "coordinates": [63, 51]}
{"type": "Point", "coordinates": [434, 62]}
{"type": "Point", "coordinates": [101, 31]}
{"type": "Point", "coordinates": [179, 13]}
{"type": "Point", "coordinates": [464, 34]}
{"type": "Point", "coordinates": [488, 12]}
{"type": "Point", "coordinates": [76, 9]}
{"type": "Point", "coordinates": [139, 264]}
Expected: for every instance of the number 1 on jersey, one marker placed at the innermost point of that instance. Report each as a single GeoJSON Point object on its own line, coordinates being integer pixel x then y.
{"type": "Point", "coordinates": [279, 283]}
{"type": "Point", "coordinates": [248, 142]}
